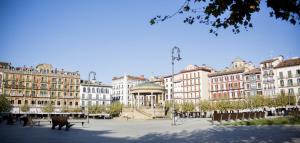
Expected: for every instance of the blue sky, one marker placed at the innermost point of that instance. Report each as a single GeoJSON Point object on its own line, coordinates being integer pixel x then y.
{"type": "Point", "coordinates": [114, 37]}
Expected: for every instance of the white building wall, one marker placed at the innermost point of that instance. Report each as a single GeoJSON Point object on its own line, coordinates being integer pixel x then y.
{"type": "Point", "coordinates": [168, 86]}
{"type": "Point", "coordinates": [102, 95]}
{"type": "Point", "coordinates": [286, 87]}
{"type": "Point", "coordinates": [121, 88]}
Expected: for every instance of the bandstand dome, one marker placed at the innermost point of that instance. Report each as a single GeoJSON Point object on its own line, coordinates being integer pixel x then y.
{"type": "Point", "coordinates": [147, 86]}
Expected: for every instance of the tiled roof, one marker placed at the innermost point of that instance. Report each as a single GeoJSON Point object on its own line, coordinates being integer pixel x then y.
{"type": "Point", "coordinates": [253, 71]}
{"type": "Point", "coordinates": [130, 77]}
{"type": "Point", "coordinates": [235, 71]}
{"type": "Point", "coordinates": [268, 61]}
{"type": "Point", "coordinates": [289, 63]}
{"type": "Point", "coordinates": [196, 69]}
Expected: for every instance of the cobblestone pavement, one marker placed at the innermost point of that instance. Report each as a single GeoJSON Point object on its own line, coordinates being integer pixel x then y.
{"type": "Point", "coordinates": [159, 131]}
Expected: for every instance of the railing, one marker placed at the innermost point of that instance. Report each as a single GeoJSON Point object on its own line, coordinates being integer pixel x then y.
{"type": "Point", "coordinates": [291, 76]}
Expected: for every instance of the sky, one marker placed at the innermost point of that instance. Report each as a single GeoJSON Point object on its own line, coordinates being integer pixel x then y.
{"type": "Point", "coordinates": [114, 38]}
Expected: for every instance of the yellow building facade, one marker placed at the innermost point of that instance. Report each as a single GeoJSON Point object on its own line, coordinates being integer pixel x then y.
{"type": "Point", "coordinates": [37, 87]}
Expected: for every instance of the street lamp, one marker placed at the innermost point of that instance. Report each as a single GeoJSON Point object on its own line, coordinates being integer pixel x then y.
{"type": "Point", "coordinates": [89, 82]}
{"type": "Point", "coordinates": [178, 58]}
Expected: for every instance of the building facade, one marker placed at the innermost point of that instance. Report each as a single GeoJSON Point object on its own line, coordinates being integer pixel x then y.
{"type": "Point", "coordinates": [268, 75]}
{"type": "Point", "coordinates": [39, 86]}
{"type": "Point", "coordinates": [287, 80]}
{"type": "Point", "coordinates": [94, 93]}
{"type": "Point", "coordinates": [190, 84]}
{"type": "Point", "coordinates": [252, 82]}
{"type": "Point", "coordinates": [168, 86]}
{"type": "Point", "coordinates": [229, 83]}
{"type": "Point", "coordinates": [121, 87]}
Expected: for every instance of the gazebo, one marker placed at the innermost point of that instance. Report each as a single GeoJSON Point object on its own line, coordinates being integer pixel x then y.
{"type": "Point", "coordinates": [147, 94]}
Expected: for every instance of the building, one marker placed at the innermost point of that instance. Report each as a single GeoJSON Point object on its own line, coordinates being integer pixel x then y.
{"type": "Point", "coordinates": [168, 86]}
{"type": "Point", "coordinates": [252, 82]}
{"type": "Point", "coordinates": [190, 84]}
{"type": "Point", "coordinates": [229, 83]}
{"type": "Point", "coordinates": [39, 86]}
{"type": "Point", "coordinates": [157, 80]}
{"type": "Point", "coordinates": [94, 93]}
{"type": "Point", "coordinates": [287, 81]}
{"type": "Point", "coordinates": [1, 79]}
{"type": "Point", "coordinates": [195, 83]}
{"type": "Point", "coordinates": [121, 87]}
{"type": "Point", "coordinates": [268, 76]}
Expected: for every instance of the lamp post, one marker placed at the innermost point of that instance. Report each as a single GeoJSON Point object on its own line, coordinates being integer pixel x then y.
{"type": "Point", "coordinates": [94, 74]}
{"type": "Point", "coordinates": [178, 58]}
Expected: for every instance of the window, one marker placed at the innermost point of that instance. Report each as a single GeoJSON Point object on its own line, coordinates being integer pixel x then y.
{"type": "Point", "coordinates": [258, 77]}
{"type": "Point", "coordinates": [289, 74]}
{"type": "Point", "coordinates": [104, 96]}
{"type": "Point", "coordinates": [83, 103]}
{"type": "Point", "coordinates": [89, 90]}
{"type": "Point", "coordinates": [97, 96]}
{"type": "Point", "coordinates": [281, 83]}
{"type": "Point", "coordinates": [298, 81]}
{"type": "Point", "coordinates": [298, 73]}
{"type": "Point", "coordinates": [280, 75]}
{"type": "Point", "coordinates": [291, 91]}
{"type": "Point", "coordinates": [83, 96]}
{"type": "Point", "coordinates": [84, 89]}
{"type": "Point", "coordinates": [12, 102]}
{"type": "Point", "coordinates": [290, 82]}
{"type": "Point", "coordinates": [93, 90]}
{"type": "Point", "coordinates": [70, 103]}
{"type": "Point", "coordinates": [76, 103]}
{"type": "Point", "coordinates": [58, 103]}
{"type": "Point", "coordinates": [90, 96]}
{"type": "Point", "coordinates": [19, 102]}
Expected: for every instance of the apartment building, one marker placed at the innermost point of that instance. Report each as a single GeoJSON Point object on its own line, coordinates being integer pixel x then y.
{"type": "Point", "coordinates": [38, 86]}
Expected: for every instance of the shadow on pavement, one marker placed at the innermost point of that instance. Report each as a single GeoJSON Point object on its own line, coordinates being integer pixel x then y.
{"type": "Point", "coordinates": [252, 134]}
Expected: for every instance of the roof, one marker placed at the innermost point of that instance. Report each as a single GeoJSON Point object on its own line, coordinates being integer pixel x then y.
{"type": "Point", "coordinates": [196, 69]}
{"type": "Point", "coordinates": [148, 86]}
{"type": "Point", "coordinates": [289, 63]}
{"type": "Point", "coordinates": [253, 71]}
{"type": "Point", "coordinates": [268, 61]}
{"type": "Point", "coordinates": [91, 83]}
{"type": "Point", "coordinates": [235, 71]}
{"type": "Point", "coordinates": [130, 77]}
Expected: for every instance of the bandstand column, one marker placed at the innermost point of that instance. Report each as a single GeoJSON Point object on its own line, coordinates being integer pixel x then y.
{"type": "Point", "coordinates": [151, 98]}
{"type": "Point", "coordinates": [138, 98]}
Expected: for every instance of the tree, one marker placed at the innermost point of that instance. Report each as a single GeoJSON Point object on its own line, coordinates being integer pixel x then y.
{"type": "Point", "coordinates": [48, 108]}
{"type": "Point", "coordinates": [5, 105]}
{"type": "Point", "coordinates": [232, 14]}
{"type": "Point", "coordinates": [169, 105]}
{"type": "Point", "coordinates": [282, 100]}
{"type": "Point", "coordinates": [187, 107]}
{"type": "Point", "coordinates": [205, 106]}
{"type": "Point", "coordinates": [25, 108]}
{"type": "Point", "coordinates": [95, 109]}
{"type": "Point", "coordinates": [115, 109]}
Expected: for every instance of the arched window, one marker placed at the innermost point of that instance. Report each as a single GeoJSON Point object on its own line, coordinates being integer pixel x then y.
{"type": "Point", "coordinates": [89, 90]}
{"type": "Point", "coordinates": [84, 89]}
{"type": "Point", "coordinates": [102, 91]}
{"type": "Point", "coordinates": [93, 90]}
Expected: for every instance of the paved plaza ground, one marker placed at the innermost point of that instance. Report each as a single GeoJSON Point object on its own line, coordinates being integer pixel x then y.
{"type": "Point", "coordinates": [158, 131]}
